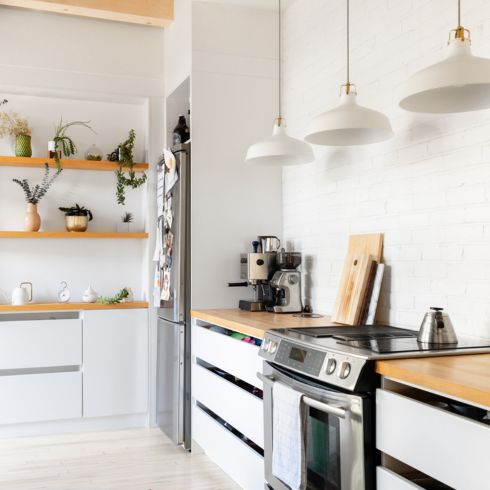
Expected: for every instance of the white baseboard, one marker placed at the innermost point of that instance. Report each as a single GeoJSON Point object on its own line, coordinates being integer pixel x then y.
{"type": "Point", "coordinates": [74, 425]}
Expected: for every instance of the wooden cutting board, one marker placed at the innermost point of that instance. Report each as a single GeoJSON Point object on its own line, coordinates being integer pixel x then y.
{"type": "Point", "coordinates": [352, 290]}
{"type": "Point", "coordinates": [371, 244]}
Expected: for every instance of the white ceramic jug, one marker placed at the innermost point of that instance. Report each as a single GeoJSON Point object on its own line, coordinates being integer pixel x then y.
{"type": "Point", "coordinates": [23, 294]}
{"type": "Point", "coordinates": [90, 296]}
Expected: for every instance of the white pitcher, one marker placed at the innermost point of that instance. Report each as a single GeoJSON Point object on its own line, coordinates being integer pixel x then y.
{"type": "Point", "coordinates": [23, 294]}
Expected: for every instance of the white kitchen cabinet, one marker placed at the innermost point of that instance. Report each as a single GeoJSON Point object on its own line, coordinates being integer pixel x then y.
{"type": "Point", "coordinates": [221, 402]}
{"type": "Point", "coordinates": [389, 480]}
{"type": "Point", "coordinates": [231, 454]}
{"type": "Point", "coordinates": [241, 409]}
{"type": "Point", "coordinates": [40, 340]}
{"type": "Point", "coordinates": [115, 362]}
{"type": "Point", "coordinates": [40, 397]}
{"type": "Point", "coordinates": [233, 356]}
{"type": "Point", "coordinates": [448, 447]}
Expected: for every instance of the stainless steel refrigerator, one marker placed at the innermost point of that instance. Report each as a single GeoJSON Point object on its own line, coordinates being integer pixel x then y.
{"type": "Point", "coordinates": [173, 351]}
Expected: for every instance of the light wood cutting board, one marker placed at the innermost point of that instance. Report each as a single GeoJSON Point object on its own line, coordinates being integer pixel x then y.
{"type": "Point", "coordinates": [352, 289]}
{"type": "Point", "coordinates": [371, 244]}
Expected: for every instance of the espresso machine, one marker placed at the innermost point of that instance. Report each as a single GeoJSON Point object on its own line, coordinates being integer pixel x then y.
{"type": "Point", "coordinates": [256, 270]}
{"type": "Point", "coordinates": [285, 285]}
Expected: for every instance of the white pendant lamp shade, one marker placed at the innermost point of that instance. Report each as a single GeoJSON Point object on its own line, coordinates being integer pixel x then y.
{"type": "Point", "coordinates": [459, 83]}
{"type": "Point", "coordinates": [349, 124]}
{"type": "Point", "coordinates": [280, 149]}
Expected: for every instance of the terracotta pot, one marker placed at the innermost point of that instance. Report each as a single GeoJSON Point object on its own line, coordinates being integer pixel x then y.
{"type": "Point", "coordinates": [32, 221]}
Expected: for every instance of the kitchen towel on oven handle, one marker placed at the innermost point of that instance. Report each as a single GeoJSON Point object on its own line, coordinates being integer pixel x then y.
{"type": "Point", "coordinates": [288, 436]}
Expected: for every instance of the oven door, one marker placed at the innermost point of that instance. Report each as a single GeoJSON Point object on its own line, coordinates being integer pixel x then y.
{"type": "Point", "coordinates": [335, 438]}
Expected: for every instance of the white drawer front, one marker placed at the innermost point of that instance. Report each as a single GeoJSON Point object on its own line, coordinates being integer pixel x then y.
{"type": "Point", "coordinates": [387, 480]}
{"type": "Point", "coordinates": [40, 343]}
{"type": "Point", "coordinates": [231, 355]}
{"type": "Point", "coordinates": [236, 459]}
{"type": "Point", "coordinates": [242, 410]}
{"type": "Point", "coordinates": [447, 447]}
{"type": "Point", "coordinates": [40, 397]}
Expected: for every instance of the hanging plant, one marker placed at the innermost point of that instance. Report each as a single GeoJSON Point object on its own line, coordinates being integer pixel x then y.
{"type": "Point", "coordinates": [63, 144]}
{"type": "Point", "coordinates": [124, 155]}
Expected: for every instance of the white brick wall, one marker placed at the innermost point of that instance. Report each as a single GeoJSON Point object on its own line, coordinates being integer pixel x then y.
{"type": "Point", "coordinates": [428, 188]}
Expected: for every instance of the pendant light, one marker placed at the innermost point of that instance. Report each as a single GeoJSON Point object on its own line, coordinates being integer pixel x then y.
{"type": "Point", "coordinates": [280, 149]}
{"type": "Point", "coordinates": [459, 83]}
{"type": "Point", "coordinates": [349, 123]}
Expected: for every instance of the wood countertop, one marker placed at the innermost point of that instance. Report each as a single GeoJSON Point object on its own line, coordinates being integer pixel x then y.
{"type": "Point", "coordinates": [466, 377]}
{"type": "Point", "coordinates": [257, 323]}
{"type": "Point", "coordinates": [71, 307]}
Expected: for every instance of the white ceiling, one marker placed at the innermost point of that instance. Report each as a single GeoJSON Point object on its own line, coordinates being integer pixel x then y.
{"type": "Point", "coordinates": [259, 4]}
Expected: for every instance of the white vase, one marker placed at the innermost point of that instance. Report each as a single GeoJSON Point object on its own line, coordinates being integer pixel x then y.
{"type": "Point", "coordinates": [124, 227]}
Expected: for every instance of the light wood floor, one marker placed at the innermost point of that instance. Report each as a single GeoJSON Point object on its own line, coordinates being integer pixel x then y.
{"type": "Point", "coordinates": [137, 459]}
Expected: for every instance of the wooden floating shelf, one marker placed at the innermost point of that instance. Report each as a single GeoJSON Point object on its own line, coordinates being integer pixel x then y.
{"type": "Point", "coordinates": [71, 307]}
{"type": "Point", "coordinates": [34, 162]}
{"type": "Point", "coordinates": [70, 234]}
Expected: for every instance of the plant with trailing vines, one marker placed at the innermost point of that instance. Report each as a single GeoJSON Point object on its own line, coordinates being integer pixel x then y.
{"type": "Point", "coordinates": [124, 155]}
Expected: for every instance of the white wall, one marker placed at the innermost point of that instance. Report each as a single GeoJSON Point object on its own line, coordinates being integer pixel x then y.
{"type": "Point", "coordinates": [108, 73]}
{"type": "Point", "coordinates": [178, 47]}
{"type": "Point", "coordinates": [233, 93]}
{"type": "Point", "coordinates": [428, 188]}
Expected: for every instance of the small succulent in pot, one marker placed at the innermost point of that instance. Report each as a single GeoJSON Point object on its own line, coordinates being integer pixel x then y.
{"type": "Point", "coordinates": [77, 218]}
{"type": "Point", "coordinates": [125, 225]}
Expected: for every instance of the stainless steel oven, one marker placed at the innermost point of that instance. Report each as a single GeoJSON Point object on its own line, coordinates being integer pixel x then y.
{"type": "Point", "coordinates": [338, 440]}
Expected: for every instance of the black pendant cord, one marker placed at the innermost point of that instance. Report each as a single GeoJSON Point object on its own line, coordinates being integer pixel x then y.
{"type": "Point", "coordinates": [279, 63]}
{"type": "Point", "coordinates": [459, 13]}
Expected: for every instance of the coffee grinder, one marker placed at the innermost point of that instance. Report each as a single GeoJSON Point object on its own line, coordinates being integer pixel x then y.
{"type": "Point", "coordinates": [285, 284]}
{"type": "Point", "coordinates": [256, 270]}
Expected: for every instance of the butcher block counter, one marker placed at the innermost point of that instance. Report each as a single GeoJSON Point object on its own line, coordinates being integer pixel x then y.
{"type": "Point", "coordinates": [466, 377]}
{"type": "Point", "coordinates": [258, 322]}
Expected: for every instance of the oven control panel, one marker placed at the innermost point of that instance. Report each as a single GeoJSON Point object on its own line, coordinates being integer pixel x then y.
{"type": "Point", "coordinates": [333, 368]}
{"type": "Point", "coordinates": [303, 359]}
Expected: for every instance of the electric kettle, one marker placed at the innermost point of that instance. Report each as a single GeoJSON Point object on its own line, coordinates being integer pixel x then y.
{"type": "Point", "coordinates": [437, 328]}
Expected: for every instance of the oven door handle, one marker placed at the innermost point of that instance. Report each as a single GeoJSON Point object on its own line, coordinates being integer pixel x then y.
{"type": "Point", "coordinates": [311, 402]}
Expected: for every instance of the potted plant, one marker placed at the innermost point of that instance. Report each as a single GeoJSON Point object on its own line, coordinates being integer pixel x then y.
{"type": "Point", "coordinates": [11, 124]}
{"type": "Point", "coordinates": [62, 144]}
{"type": "Point", "coordinates": [77, 218]}
{"type": "Point", "coordinates": [33, 195]}
{"type": "Point", "coordinates": [125, 225]}
{"type": "Point", "coordinates": [124, 155]}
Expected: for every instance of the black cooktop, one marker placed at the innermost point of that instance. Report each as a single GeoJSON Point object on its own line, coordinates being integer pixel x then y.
{"type": "Point", "coordinates": [361, 332]}
{"type": "Point", "coordinates": [383, 339]}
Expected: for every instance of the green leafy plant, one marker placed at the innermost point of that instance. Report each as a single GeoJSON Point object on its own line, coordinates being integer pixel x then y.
{"type": "Point", "coordinates": [124, 155]}
{"type": "Point", "coordinates": [127, 218]}
{"type": "Point", "coordinates": [64, 144]}
{"type": "Point", "coordinates": [34, 194]}
{"type": "Point", "coordinates": [117, 298]}
{"type": "Point", "coordinates": [94, 158]}
{"type": "Point", "coordinates": [77, 210]}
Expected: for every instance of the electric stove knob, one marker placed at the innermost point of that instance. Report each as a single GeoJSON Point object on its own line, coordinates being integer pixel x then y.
{"type": "Point", "coordinates": [344, 370]}
{"type": "Point", "coordinates": [273, 347]}
{"type": "Point", "coordinates": [331, 366]}
{"type": "Point", "coordinates": [267, 345]}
